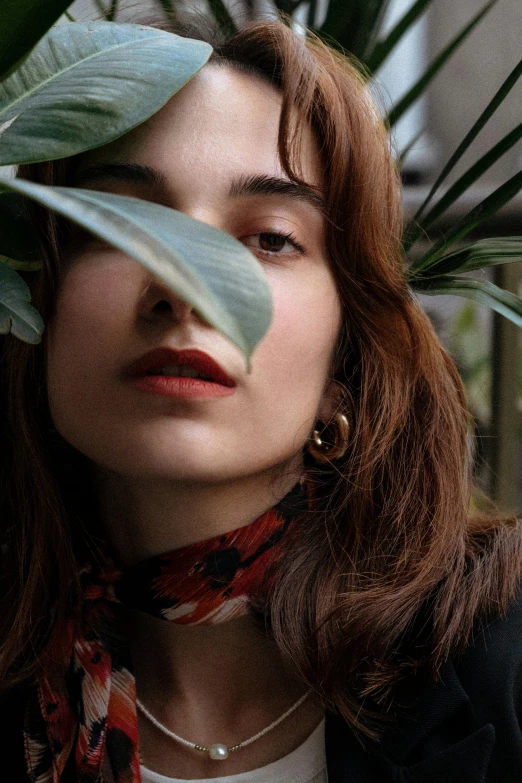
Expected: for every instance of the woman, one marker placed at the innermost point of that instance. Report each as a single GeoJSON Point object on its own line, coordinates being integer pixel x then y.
{"type": "Point", "coordinates": [334, 612]}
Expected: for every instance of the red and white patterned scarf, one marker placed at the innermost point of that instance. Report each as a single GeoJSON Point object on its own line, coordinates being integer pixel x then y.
{"type": "Point", "coordinates": [84, 708]}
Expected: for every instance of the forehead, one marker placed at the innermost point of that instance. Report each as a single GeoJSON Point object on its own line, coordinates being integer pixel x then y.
{"type": "Point", "coordinates": [223, 124]}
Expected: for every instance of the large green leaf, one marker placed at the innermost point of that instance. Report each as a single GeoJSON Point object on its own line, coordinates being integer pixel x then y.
{"type": "Point", "coordinates": [414, 231]}
{"type": "Point", "coordinates": [384, 48]}
{"type": "Point", "coordinates": [420, 85]}
{"type": "Point", "coordinates": [209, 269]}
{"type": "Point", "coordinates": [481, 291]}
{"type": "Point", "coordinates": [87, 84]}
{"type": "Point", "coordinates": [22, 266]}
{"type": "Point", "coordinates": [485, 252]}
{"type": "Point", "coordinates": [488, 207]}
{"type": "Point", "coordinates": [17, 236]}
{"type": "Point", "coordinates": [16, 314]}
{"type": "Point", "coordinates": [22, 24]}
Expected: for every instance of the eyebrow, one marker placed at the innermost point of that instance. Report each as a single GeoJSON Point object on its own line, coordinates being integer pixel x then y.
{"type": "Point", "coordinates": [263, 185]}
{"type": "Point", "coordinates": [251, 185]}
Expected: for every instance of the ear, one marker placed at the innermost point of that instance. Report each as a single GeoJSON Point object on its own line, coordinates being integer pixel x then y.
{"type": "Point", "coordinates": [330, 402]}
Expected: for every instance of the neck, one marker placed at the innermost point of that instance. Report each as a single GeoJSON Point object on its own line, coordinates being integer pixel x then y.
{"type": "Point", "coordinates": [214, 683]}
{"type": "Point", "coordinates": [147, 516]}
{"type": "Point", "coordinates": [208, 683]}
{"type": "Point", "coordinates": [207, 667]}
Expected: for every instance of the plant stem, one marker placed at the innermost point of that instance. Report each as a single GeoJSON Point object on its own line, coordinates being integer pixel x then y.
{"type": "Point", "coordinates": [312, 13]}
{"type": "Point", "coordinates": [168, 8]}
{"type": "Point", "coordinates": [111, 15]}
{"type": "Point", "coordinates": [223, 18]}
{"type": "Point", "coordinates": [103, 11]}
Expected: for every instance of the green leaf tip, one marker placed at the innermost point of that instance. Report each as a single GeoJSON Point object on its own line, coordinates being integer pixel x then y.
{"type": "Point", "coordinates": [17, 315]}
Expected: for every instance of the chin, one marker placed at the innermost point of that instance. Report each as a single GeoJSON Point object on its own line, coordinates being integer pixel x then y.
{"type": "Point", "coordinates": [189, 454]}
{"type": "Point", "coordinates": [174, 464]}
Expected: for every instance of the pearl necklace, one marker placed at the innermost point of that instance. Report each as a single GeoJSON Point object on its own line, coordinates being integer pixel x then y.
{"type": "Point", "coordinates": [218, 751]}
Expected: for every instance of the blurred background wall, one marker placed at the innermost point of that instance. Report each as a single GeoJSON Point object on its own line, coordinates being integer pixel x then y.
{"type": "Point", "coordinates": [473, 75]}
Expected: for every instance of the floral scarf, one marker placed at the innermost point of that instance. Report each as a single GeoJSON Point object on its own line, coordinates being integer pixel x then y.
{"type": "Point", "coordinates": [84, 707]}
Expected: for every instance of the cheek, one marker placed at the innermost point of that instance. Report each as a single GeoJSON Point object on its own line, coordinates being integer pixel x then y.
{"type": "Point", "coordinates": [86, 323]}
{"type": "Point", "coordinates": [301, 339]}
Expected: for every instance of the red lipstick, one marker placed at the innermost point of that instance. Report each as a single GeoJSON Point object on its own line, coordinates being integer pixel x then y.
{"type": "Point", "coordinates": [188, 373]}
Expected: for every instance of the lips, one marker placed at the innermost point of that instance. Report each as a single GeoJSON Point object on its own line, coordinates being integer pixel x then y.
{"type": "Point", "coordinates": [152, 373]}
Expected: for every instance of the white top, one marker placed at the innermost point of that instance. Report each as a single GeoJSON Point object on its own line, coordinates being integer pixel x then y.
{"type": "Point", "coordinates": [305, 764]}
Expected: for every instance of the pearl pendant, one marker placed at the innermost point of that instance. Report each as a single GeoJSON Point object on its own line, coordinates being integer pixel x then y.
{"type": "Point", "coordinates": [218, 752]}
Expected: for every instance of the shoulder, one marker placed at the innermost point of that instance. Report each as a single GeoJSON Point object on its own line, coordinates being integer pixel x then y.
{"type": "Point", "coordinates": [463, 728]}
{"type": "Point", "coordinates": [490, 672]}
{"type": "Point", "coordinates": [495, 647]}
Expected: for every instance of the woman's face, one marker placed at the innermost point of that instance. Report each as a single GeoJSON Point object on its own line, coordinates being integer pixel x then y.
{"type": "Point", "coordinates": [215, 146]}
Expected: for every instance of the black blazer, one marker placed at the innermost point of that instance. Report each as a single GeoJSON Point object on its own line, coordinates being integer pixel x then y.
{"type": "Point", "coordinates": [466, 728]}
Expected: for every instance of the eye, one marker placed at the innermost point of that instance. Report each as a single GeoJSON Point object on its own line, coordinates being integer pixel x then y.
{"type": "Point", "coordinates": [273, 243]}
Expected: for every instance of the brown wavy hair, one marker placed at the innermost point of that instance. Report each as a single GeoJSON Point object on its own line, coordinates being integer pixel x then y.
{"type": "Point", "coordinates": [391, 570]}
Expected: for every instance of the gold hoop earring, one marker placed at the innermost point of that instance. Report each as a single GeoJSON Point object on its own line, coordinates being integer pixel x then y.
{"type": "Point", "coordinates": [327, 452]}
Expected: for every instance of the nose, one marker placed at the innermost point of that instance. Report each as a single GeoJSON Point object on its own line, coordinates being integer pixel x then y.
{"type": "Point", "coordinates": [159, 304]}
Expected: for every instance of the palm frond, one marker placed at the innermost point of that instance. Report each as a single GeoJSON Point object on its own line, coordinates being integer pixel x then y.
{"type": "Point", "coordinates": [420, 85]}
{"type": "Point", "coordinates": [482, 291]}
{"type": "Point", "coordinates": [488, 207]}
{"type": "Point", "coordinates": [413, 231]}
{"type": "Point", "coordinates": [478, 255]}
{"type": "Point", "coordinates": [384, 48]}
